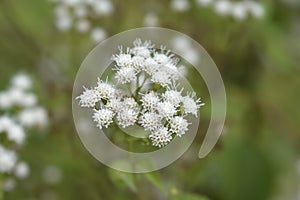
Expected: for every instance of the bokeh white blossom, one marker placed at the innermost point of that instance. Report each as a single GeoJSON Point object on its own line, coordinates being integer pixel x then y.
{"type": "Point", "coordinates": [19, 112]}
{"type": "Point", "coordinates": [83, 16]}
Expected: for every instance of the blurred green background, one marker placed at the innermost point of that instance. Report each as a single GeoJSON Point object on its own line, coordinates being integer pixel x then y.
{"type": "Point", "coordinates": [256, 157]}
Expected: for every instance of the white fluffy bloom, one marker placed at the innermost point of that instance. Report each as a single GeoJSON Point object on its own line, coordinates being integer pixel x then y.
{"type": "Point", "coordinates": [89, 98]}
{"type": "Point", "coordinates": [8, 160]}
{"type": "Point", "coordinates": [191, 106]}
{"type": "Point", "coordinates": [125, 74]}
{"type": "Point", "coordinates": [180, 5]}
{"type": "Point", "coordinates": [83, 25]}
{"type": "Point", "coordinates": [162, 58]}
{"type": "Point", "coordinates": [98, 34]}
{"type": "Point", "coordinates": [103, 7]}
{"type": "Point", "coordinates": [21, 81]}
{"type": "Point", "coordinates": [239, 11]}
{"type": "Point", "coordinates": [6, 123]}
{"type": "Point", "coordinates": [36, 116]}
{"type": "Point", "coordinates": [150, 121]}
{"type": "Point", "coordinates": [150, 19]}
{"type": "Point", "coordinates": [142, 49]}
{"type": "Point", "coordinates": [5, 100]}
{"type": "Point", "coordinates": [105, 90]}
{"type": "Point", "coordinates": [223, 7]}
{"type": "Point", "coordinates": [150, 66]}
{"type": "Point", "coordinates": [166, 109]}
{"type": "Point", "coordinates": [130, 103]}
{"type": "Point", "coordinates": [204, 3]}
{"type": "Point", "coordinates": [22, 170]}
{"type": "Point", "coordinates": [150, 100]}
{"type": "Point", "coordinates": [161, 77]}
{"type": "Point", "coordinates": [172, 96]}
{"type": "Point", "coordinates": [103, 117]}
{"type": "Point", "coordinates": [137, 63]}
{"type": "Point", "coordinates": [160, 137]}
{"type": "Point", "coordinates": [16, 134]}
{"type": "Point", "coordinates": [28, 100]}
{"type": "Point", "coordinates": [127, 117]}
{"type": "Point", "coordinates": [114, 105]}
{"type": "Point", "coordinates": [122, 59]}
{"type": "Point", "coordinates": [255, 8]}
{"type": "Point", "coordinates": [178, 125]}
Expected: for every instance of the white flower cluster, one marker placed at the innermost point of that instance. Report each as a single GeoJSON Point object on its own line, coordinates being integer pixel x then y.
{"type": "Point", "coordinates": [18, 111]}
{"type": "Point", "coordinates": [239, 10]}
{"type": "Point", "coordinates": [160, 109]}
{"type": "Point", "coordinates": [82, 15]}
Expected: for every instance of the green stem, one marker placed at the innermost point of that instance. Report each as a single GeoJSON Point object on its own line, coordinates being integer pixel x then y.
{"type": "Point", "coordinates": [1, 187]}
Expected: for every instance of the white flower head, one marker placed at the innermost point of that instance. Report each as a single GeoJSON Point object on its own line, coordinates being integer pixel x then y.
{"type": "Point", "coordinates": [127, 117]}
{"type": "Point", "coordinates": [98, 34]}
{"type": "Point", "coordinates": [150, 121]}
{"type": "Point", "coordinates": [103, 117]}
{"type": "Point", "coordinates": [150, 100]}
{"type": "Point", "coordinates": [150, 66]}
{"type": "Point", "coordinates": [16, 134]}
{"type": "Point", "coordinates": [172, 96]}
{"type": "Point", "coordinates": [105, 90]}
{"type": "Point", "coordinates": [160, 137]}
{"type": "Point", "coordinates": [130, 103]}
{"type": "Point", "coordinates": [166, 109]}
{"type": "Point", "coordinates": [223, 7]}
{"type": "Point", "coordinates": [114, 105]}
{"type": "Point", "coordinates": [180, 5]}
{"type": "Point", "coordinates": [8, 160]}
{"type": "Point", "coordinates": [190, 105]}
{"type": "Point", "coordinates": [125, 74]}
{"type": "Point", "coordinates": [21, 81]}
{"type": "Point", "coordinates": [123, 59]}
{"type": "Point", "coordinates": [161, 77]}
{"type": "Point", "coordinates": [36, 116]}
{"type": "Point", "coordinates": [142, 49]}
{"type": "Point", "coordinates": [137, 63]}
{"type": "Point", "coordinates": [89, 98]}
{"type": "Point", "coordinates": [178, 125]}
{"type": "Point", "coordinates": [22, 170]}
{"type": "Point", "coordinates": [6, 123]}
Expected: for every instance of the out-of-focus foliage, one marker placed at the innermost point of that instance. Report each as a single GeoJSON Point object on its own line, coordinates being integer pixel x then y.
{"type": "Point", "coordinates": [259, 62]}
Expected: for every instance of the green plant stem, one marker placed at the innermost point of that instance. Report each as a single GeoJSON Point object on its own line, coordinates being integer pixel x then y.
{"type": "Point", "coordinates": [1, 187]}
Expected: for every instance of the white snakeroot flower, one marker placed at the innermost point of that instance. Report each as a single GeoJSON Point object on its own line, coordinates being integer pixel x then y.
{"type": "Point", "coordinates": [255, 8]}
{"type": "Point", "coordinates": [83, 25]}
{"type": "Point", "coordinates": [6, 123]}
{"type": "Point", "coordinates": [28, 100]}
{"type": "Point", "coordinates": [191, 106]}
{"type": "Point", "coordinates": [16, 134]}
{"type": "Point", "coordinates": [142, 49]}
{"type": "Point", "coordinates": [106, 91]}
{"type": "Point", "coordinates": [98, 34]}
{"type": "Point", "coordinates": [114, 105]}
{"type": "Point", "coordinates": [166, 109]}
{"type": "Point", "coordinates": [223, 7]}
{"type": "Point", "coordinates": [180, 5]}
{"type": "Point", "coordinates": [22, 170]}
{"type": "Point", "coordinates": [122, 59]}
{"type": "Point", "coordinates": [5, 100]}
{"type": "Point", "coordinates": [8, 160]}
{"type": "Point", "coordinates": [161, 77]}
{"type": "Point", "coordinates": [162, 58]}
{"type": "Point", "coordinates": [89, 97]}
{"type": "Point", "coordinates": [172, 96]}
{"type": "Point", "coordinates": [172, 70]}
{"type": "Point", "coordinates": [150, 100]}
{"type": "Point", "coordinates": [103, 117]}
{"type": "Point", "coordinates": [150, 121]}
{"type": "Point", "coordinates": [125, 74]}
{"type": "Point", "coordinates": [150, 66]}
{"type": "Point", "coordinates": [36, 116]}
{"type": "Point", "coordinates": [127, 117]}
{"type": "Point", "coordinates": [103, 7]}
{"type": "Point", "coordinates": [204, 3]}
{"type": "Point", "coordinates": [137, 63]}
{"type": "Point", "coordinates": [21, 81]}
{"type": "Point", "coordinates": [160, 137]}
{"type": "Point", "coordinates": [150, 19]}
{"type": "Point", "coordinates": [130, 103]}
{"type": "Point", "coordinates": [178, 125]}
{"type": "Point", "coordinates": [239, 11]}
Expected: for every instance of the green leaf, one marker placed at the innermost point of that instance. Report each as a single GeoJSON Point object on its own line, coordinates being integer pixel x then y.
{"type": "Point", "coordinates": [156, 180]}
